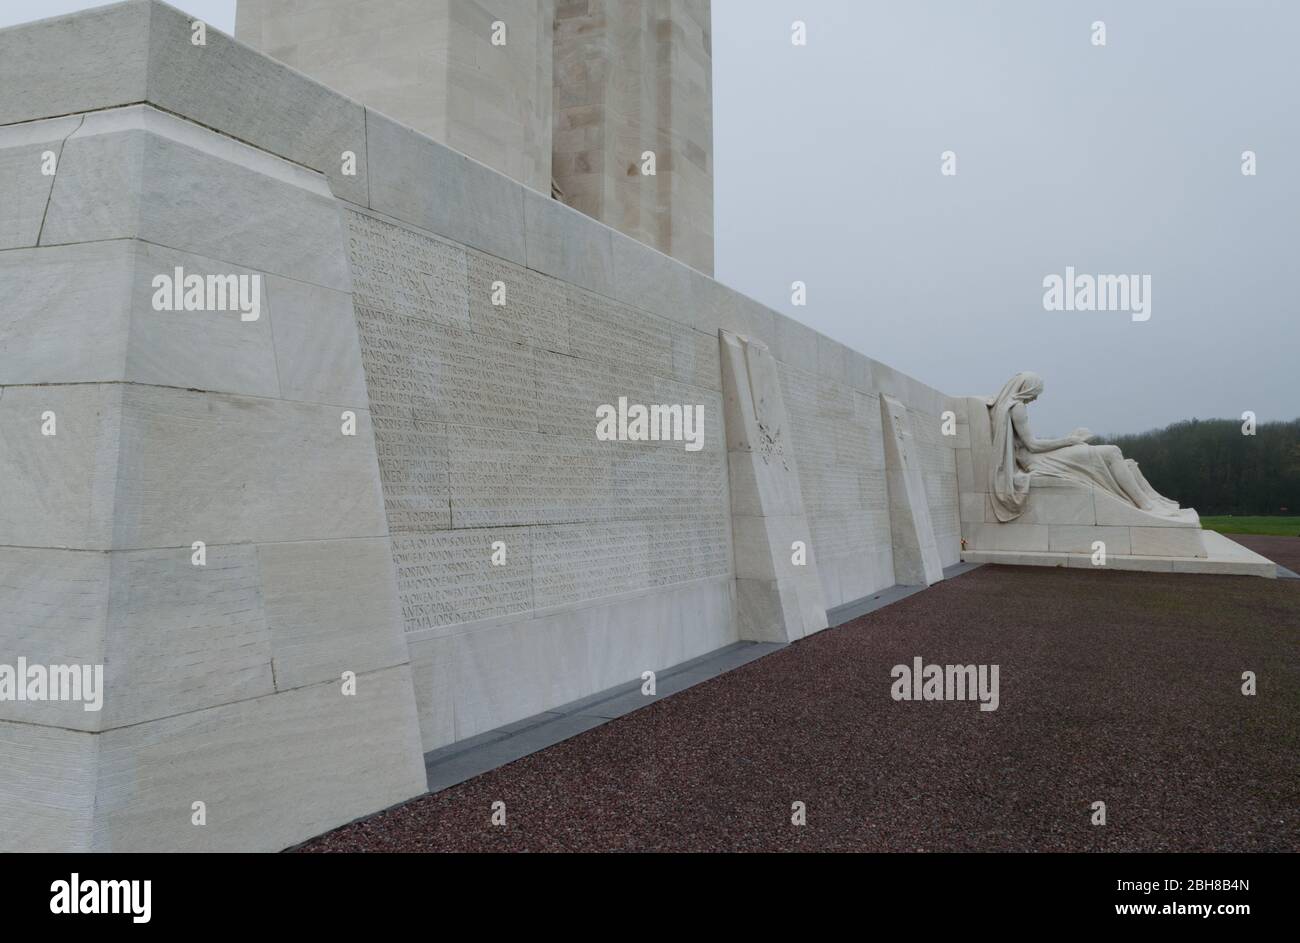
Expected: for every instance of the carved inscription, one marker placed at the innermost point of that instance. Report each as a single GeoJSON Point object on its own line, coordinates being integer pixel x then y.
{"type": "Point", "coordinates": [517, 305]}
{"type": "Point", "coordinates": [484, 421]}
{"type": "Point", "coordinates": [413, 471]}
{"type": "Point", "coordinates": [447, 578]}
{"type": "Point", "coordinates": [400, 272]}
{"type": "Point", "coordinates": [603, 330]}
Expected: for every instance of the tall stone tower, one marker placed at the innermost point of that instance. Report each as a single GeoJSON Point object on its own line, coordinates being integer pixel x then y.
{"type": "Point", "coordinates": [565, 96]}
{"type": "Point", "coordinates": [473, 74]}
{"type": "Point", "coordinates": [633, 76]}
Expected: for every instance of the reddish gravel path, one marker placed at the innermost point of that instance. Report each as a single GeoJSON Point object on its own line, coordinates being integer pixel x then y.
{"type": "Point", "coordinates": [1283, 550]}
{"type": "Point", "coordinates": [1123, 687]}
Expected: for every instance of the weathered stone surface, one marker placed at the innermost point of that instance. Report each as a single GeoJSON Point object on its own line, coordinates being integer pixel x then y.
{"type": "Point", "coordinates": [141, 51]}
{"type": "Point", "coordinates": [47, 788]}
{"type": "Point", "coordinates": [182, 637]}
{"type": "Point", "coordinates": [422, 182]}
{"type": "Point", "coordinates": [916, 553]}
{"type": "Point", "coordinates": [137, 172]}
{"type": "Point", "coordinates": [331, 606]}
{"type": "Point", "coordinates": [56, 605]}
{"type": "Point", "coordinates": [404, 273]}
{"type": "Point", "coordinates": [533, 309]}
{"type": "Point", "coordinates": [631, 77]}
{"type": "Point", "coordinates": [773, 604]}
{"type": "Point", "coordinates": [450, 577]}
{"type": "Point", "coordinates": [66, 313]}
{"type": "Point", "coordinates": [567, 244]}
{"type": "Point", "coordinates": [78, 63]}
{"type": "Point", "coordinates": [431, 64]}
{"type": "Point", "coordinates": [24, 187]}
{"type": "Point", "coordinates": [290, 473]}
{"type": "Point", "coordinates": [245, 758]}
{"type": "Point", "coordinates": [60, 489]}
{"type": "Point", "coordinates": [229, 87]}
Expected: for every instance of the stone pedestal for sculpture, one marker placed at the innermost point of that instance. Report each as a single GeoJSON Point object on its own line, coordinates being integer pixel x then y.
{"type": "Point", "coordinates": [1067, 522]}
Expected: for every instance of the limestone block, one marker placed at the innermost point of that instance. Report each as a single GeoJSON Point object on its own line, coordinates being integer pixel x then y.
{"type": "Point", "coordinates": [66, 312]}
{"type": "Point", "coordinates": [981, 441]}
{"type": "Point", "coordinates": [695, 358]}
{"type": "Point", "coordinates": [850, 578]}
{"type": "Point", "coordinates": [916, 554]}
{"type": "Point", "coordinates": [961, 437]}
{"type": "Point", "coordinates": [1144, 564]}
{"type": "Point", "coordinates": [209, 350]}
{"type": "Point", "coordinates": [832, 360]}
{"type": "Point", "coordinates": [175, 637]}
{"type": "Point", "coordinates": [567, 244]}
{"type": "Point", "coordinates": [794, 344]}
{"type": "Point", "coordinates": [860, 372]}
{"type": "Point", "coordinates": [414, 469]}
{"type": "Point", "coordinates": [757, 427]}
{"type": "Point", "coordinates": [47, 787]}
{"type": "Point", "coordinates": [764, 545]}
{"type": "Point", "coordinates": [765, 612]}
{"type": "Point", "coordinates": [408, 275]}
{"type": "Point", "coordinates": [434, 680]}
{"type": "Point", "coordinates": [1053, 501]}
{"type": "Point", "coordinates": [427, 184]}
{"type": "Point", "coordinates": [535, 311]}
{"type": "Point", "coordinates": [330, 606]}
{"type": "Point", "coordinates": [228, 86]}
{"type": "Point", "coordinates": [70, 64]}
{"type": "Point", "coordinates": [426, 371]}
{"type": "Point", "coordinates": [602, 329]}
{"type": "Point", "coordinates": [754, 492]}
{"type": "Point", "coordinates": [444, 578]}
{"type": "Point", "coordinates": [317, 354]}
{"type": "Point", "coordinates": [59, 489]}
{"type": "Point", "coordinates": [141, 51]}
{"type": "Point", "coordinates": [572, 563]}
{"type": "Point", "coordinates": [974, 506]}
{"type": "Point", "coordinates": [1073, 538]}
{"type": "Point", "coordinates": [966, 482]}
{"type": "Point", "coordinates": [138, 172]}
{"type": "Point", "coordinates": [647, 278]}
{"type": "Point", "coordinates": [499, 675]}
{"type": "Point", "coordinates": [55, 603]}
{"type": "Point", "coordinates": [1012, 536]}
{"type": "Point", "coordinates": [720, 307]}
{"type": "Point", "coordinates": [811, 598]}
{"type": "Point", "coordinates": [182, 637]}
{"type": "Point", "coordinates": [289, 473]}
{"type": "Point", "coordinates": [24, 188]}
{"type": "Point", "coordinates": [1110, 510]}
{"type": "Point", "coordinates": [756, 419]}
{"type": "Point", "coordinates": [267, 776]}
{"type": "Point", "coordinates": [949, 550]}
{"type": "Point", "coordinates": [1168, 541]}
{"type": "Point", "coordinates": [504, 477]}
{"type": "Point", "coordinates": [575, 387]}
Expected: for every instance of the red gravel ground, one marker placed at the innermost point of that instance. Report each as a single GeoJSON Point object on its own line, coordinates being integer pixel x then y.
{"type": "Point", "coordinates": [1116, 686]}
{"type": "Point", "coordinates": [1283, 550]}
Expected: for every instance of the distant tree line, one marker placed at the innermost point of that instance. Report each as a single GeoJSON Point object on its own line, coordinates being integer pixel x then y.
{"type": "Point", "coordinates": [1208, 464]}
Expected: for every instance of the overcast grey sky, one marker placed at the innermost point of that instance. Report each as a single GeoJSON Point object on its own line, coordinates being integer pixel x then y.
{"type": "Point", "coordinates": [1123, 159]}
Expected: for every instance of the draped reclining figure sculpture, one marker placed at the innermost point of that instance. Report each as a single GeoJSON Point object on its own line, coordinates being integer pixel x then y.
{"type": "Point", "coordinates": [1019, 457]}
{"type": "Point", "coordinates": [1068, 502]}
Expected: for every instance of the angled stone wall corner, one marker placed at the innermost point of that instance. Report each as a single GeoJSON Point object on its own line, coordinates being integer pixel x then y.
{"type": "Point", "coordinates": [777, 599]}
{"type": "Point", "coordinates": [220, 426]}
